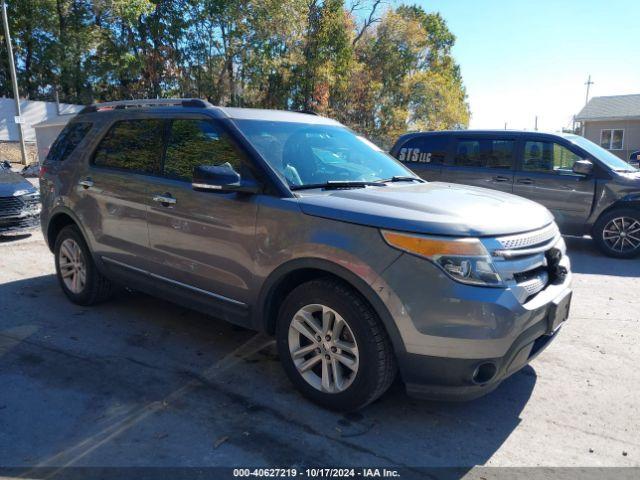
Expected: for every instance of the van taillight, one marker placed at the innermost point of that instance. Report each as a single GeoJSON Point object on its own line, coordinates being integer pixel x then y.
{"type": "Point", "coordinates": [43, 170]}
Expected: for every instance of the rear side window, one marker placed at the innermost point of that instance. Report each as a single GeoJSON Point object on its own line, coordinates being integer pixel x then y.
{"type": "Point", "coordinates": [548, 157]}
{"type": "Point", "coordinates": [427, 149]}
{"type": "Point", "coordinates": [468, 153]}
{"type": "Point", "coordinates": [67, 141]}
{"type": "Point", "coordinates": [198, 142]}
{"type": "Point", "coordinates": [132, 145]}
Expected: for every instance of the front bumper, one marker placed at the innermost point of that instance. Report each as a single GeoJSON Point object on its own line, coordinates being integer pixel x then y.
{"type": "Point", "coordinates": [19, 223]}
{"type": "Point", "coordinates": [19, 212]}
{"type": "Point", "coordinates": [450, 379]}
{"type": "Point", "coordinates": [448, 330]}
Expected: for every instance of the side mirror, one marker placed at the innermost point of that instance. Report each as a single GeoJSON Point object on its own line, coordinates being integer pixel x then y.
{"type": "Point", "coordinates": [583, 167]}
{"type": "Point", "coordinates": [221, 178]}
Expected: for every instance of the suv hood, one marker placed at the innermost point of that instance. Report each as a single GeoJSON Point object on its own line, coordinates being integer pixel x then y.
{"type": "Point", "coordinates": [429, 208]}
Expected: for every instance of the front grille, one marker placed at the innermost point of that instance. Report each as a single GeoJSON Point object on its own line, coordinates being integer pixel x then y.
{"type": "Point", "coordinates": [525, 260]}
{"type": "Point", "coordinates": [19, 212]}
{"type": "Point", "coordinates": [11, 206]}
{"type": "Point", "coordinates": [532, 281]}
{"type": "Point", "coordinates": [529, 239]}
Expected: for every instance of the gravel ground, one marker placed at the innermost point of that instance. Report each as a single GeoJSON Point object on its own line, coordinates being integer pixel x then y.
{"type": "Point", "coordinates": [140, 382]}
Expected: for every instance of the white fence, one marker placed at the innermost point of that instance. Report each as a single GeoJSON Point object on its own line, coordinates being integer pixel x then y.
{"type": "Point", "coordinates": [32, 113]}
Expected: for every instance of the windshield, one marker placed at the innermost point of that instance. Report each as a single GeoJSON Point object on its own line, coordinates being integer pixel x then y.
{"type": "Point", "coordinates": [314, 154]}
{"type": "Point", "coordinates": [606, 157]}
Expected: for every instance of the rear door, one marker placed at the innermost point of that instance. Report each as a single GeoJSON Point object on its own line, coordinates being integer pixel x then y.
{"type": "Point", "coordinates": [203, 242]}
{"type": "Point", "coordinates": [482, 161]}
{"type": "Point", "coordinates": [113, 192]}
{"type": "Point", "coordinates": [425, 154]}
{"type": "Point", "coordinates": [546, 176]}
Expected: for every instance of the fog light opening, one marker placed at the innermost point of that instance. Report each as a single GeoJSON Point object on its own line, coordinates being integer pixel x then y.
{"type": "Point", "coordinates": [484, 373]}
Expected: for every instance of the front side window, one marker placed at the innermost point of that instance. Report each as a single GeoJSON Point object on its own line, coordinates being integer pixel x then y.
{"type": "Point", "coordinates": [468, 153]}
{"type": "Point", "coordinates": [194, 143]}
{"type": "Point", "coordinates": [548, 157]}
{"type": "Point", "coordinates": [307, 154]}
{"type": "Point", "coordinates": [427, 149]}
{"type": "Point", "coordinates": [612, 139]}
{"type": "Point", "coordinates": [132, 145]}
{"type": "Point", "coordinates": [605, 156]}
{"type": "Point", "coordinates": [67, 141]}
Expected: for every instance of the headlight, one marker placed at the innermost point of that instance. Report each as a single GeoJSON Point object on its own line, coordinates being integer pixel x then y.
{"type": "Point", "coordinates": [463, 259]}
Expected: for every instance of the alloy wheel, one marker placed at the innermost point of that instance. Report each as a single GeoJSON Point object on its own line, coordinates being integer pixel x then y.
{"type": "Point", "coordinates": [323, 348]}
{"type": "Point", "coordinates": [622, 234]}
{"type": "Point", "coordinates": [73, 268]}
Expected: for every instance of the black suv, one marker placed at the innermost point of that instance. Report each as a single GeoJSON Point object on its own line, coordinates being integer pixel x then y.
{"type": "Point", "coordinates": [588, 189]}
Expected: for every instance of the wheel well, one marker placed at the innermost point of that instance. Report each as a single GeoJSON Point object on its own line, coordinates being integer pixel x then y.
{"type": "Point", "coordinates": [618, 205]}
{"type": "Point", "coordinates": [56, 224]}
{"type": "Point", "coordinates": [279, 290]}
{"type": "Point", "coordinates": [284, 286]}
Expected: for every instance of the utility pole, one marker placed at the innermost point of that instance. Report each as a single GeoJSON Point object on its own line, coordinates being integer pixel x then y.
{"type": "Point", "coordinates": [536, 124]}
{"type": "Point", "coordinates": [588, 84]}
{"type": "Point", "coordinates": [14, 80]}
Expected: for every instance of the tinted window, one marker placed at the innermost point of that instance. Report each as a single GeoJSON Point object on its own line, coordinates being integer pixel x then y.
{"type": "Point", "coordinates": [132, 145]}
{"type": "Point", "coordinates": [198, 142]}
{"type": "Point", "coordinates": [547, 157]}
{"type": "Point", "coordinates": [431, 149]}
{"type": "Point", "coordinates": [468, 153]}
{"type": "Point", "coordinates": [500, 153]}
{"type": "Point", "coordinates": [67, 141]}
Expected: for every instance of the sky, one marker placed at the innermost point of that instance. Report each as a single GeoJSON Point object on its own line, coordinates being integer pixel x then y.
{"type": "Point", "coordinates": [522, 58]}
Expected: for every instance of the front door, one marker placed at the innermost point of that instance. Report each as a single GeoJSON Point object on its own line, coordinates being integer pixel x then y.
{"type": "Point", "coordinates": [202, 242]}
{"type": "Point", "coordinates": [546, 176]}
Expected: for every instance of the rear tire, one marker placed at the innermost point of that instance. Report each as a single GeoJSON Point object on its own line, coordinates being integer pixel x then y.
{"type": "Point", "coordinates": [617, 233]}
{"type": "Point", "coordinates": [351, 357]}
{"type": "Point", "coordinates": [77, 274]}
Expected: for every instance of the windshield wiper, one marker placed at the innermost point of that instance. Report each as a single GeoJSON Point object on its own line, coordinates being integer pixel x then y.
{"type": "Point", "coordinates": [338, 184]}
{"type": "Point", "coordinates": [404, 178]}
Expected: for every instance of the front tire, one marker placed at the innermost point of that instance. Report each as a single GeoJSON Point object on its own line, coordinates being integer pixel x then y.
{"type": "Point", "coordinates": [333, 346]}
{"type": "Point", "coordinates": [617, 233]}
{"type": "Point", "coordinates": [77, 274]}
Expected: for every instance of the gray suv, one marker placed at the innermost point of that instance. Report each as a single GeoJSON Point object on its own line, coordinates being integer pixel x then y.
{"type": "Point", "coordinates": [589, 190]}
{"type": "Point", "coordinates": [291, 224]}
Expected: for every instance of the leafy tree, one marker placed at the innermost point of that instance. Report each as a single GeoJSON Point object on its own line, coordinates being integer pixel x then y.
{"type": "Point", "coordinates": [382, 72]}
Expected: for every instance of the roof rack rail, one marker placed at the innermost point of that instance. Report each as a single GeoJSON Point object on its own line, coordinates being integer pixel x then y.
{"type": "Point", "coordinates": [308, 112]}
{"type": "Point", "coordinates": [146, 102]}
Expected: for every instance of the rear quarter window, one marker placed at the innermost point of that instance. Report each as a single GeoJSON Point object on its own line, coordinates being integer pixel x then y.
{"type": "Point", "coordinates": [67, 141]}
{"type": "Point", "coordinates": [427, 149]}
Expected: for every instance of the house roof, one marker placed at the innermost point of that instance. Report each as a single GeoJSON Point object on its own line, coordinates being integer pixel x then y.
{"type": "Point", "coordinates": [618, 107]}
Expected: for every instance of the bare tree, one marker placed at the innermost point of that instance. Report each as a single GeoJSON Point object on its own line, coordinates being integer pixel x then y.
{"type": "Point", "coordinates": [373, 17]}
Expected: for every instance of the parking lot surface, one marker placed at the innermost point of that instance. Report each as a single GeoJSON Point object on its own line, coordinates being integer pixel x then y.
{"type": "Point", "coordinates": [141, 382]}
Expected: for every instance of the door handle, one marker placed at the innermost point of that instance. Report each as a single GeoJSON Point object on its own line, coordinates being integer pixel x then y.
{"type": "Point", "coordinates": [86, 183]}
{"type": "Point", "coordinates": [500, 178]}
{"type": "Point", "coordinates": [165, 199]}
{"type": "Point", "coordinates": [526, 181]}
